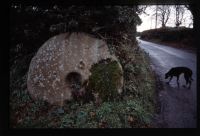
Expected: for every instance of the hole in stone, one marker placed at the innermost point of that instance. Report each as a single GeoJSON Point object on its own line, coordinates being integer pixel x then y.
{"type": "Point", "coordinates": [73, 80]}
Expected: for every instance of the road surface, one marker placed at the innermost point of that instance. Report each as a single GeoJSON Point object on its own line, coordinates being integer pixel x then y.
{"type": "Point", "coordinates": [178, 106]}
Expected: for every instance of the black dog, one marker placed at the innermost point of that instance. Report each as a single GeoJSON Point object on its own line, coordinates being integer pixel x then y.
{"type": "Point", "coordinates": [177, 71]}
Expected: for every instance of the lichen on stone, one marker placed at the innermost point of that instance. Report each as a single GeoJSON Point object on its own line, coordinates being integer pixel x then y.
{"type": "Point", "coordinates": [75, 52]}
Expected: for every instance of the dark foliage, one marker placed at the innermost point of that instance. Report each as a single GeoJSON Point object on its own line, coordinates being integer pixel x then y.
{"type": "Point", "coordinates": [32, 25]}
{"type": "Point", "coordinates": [179, 35]}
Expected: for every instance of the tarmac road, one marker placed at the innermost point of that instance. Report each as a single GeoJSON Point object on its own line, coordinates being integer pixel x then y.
{"type": "Point", "coordinates": [178, 106]}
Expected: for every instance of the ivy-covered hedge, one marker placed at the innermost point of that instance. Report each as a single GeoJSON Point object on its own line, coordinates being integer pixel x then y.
{"type": "Point", "coordinates": [105, 79]}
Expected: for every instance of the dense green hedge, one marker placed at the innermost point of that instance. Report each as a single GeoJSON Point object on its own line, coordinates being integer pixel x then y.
{"type": "Point", "coordinates": [180, 35]}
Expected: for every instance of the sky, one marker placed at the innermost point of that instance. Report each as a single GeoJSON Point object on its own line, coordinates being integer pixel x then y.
{"type": "Point", "coordinates": [148, 21]}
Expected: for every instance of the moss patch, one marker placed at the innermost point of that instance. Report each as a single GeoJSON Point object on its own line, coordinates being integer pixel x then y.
{"type": "Point", "coordinates": [105, 78]}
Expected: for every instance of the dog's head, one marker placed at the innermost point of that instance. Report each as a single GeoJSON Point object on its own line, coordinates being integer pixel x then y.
{"type": "Point", "coordinates": [166, 75]}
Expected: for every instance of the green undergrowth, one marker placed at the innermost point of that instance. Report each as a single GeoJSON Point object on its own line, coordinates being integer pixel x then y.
{"type": "Point", "coordinates": [105, 79]}
{"type": "Point", "coordinates": [134, 109]}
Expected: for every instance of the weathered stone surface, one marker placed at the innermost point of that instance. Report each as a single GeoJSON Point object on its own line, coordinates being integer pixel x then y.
{"type": "Point", "coordinates": [62, 64]}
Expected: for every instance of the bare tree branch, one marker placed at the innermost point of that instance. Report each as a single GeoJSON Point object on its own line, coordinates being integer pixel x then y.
{"type": "Point", "coordinates": [163, 14]}
{"type": "Point", "coordinates": [179, 9]}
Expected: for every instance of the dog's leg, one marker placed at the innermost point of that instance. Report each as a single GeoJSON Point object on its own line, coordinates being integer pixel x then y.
{"type": "Point", "coordinates": [189, 84]}
{"type": "Point", "coordinates": [170, 79]}
{"type": "Point", "coordinates": [177, 81]}
{"type": "Point", "coordinates": [186, 79]}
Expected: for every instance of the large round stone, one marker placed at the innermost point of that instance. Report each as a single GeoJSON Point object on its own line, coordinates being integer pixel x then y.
{"type": "Point", "coordinates": [62, 64]}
